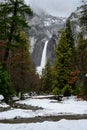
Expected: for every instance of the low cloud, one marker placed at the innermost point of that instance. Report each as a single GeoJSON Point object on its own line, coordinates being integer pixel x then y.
{"type": "Point", "coordinates": [55, 7]}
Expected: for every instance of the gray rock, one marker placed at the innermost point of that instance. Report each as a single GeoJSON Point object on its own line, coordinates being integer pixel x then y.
{"type": "Point", "coordinates": [44, 28]}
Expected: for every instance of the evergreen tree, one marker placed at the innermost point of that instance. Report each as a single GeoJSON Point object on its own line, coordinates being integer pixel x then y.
{"type": "Point", "coordinates": [83, 18]}
{"type": "Point", "coordinates": [13, 31]}
{"type": "Point", "coordinates": [47, 78]}
{"type": "Point", "coordinates": [20, 64]}
{"type": "Point", "coordinates": [4, 21]}
{"type": "Point", "coordinates": [6, 88]}
{"type": "Point", "coordinates": [63, 62]}
{"type": "Point", "coordinates": [64, 58]}
{"type": "Point", "coordinates": [70, 40]}
{"type": "Point", "coordinates": [69, 36]}
{"type": "Point", "coordinates": [66, 91]}
{"type": "Point", "coordinates": [82, 61]}
{"type": "Point", "coordinates": [15, 14]}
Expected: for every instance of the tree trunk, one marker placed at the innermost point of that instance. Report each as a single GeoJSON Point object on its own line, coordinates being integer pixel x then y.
{"type": "Point", "coordinates": [6, 55]}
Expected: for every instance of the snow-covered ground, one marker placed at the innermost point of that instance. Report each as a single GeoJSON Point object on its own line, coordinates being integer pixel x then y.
{"type": "Point", "coordinates": [70, 106]}
{"type": "Point", "coordinates": [60, 125]}
{"type": "Point", "coordinates": [4, 105]}
{"type": "Point", "coordinates": [1, 97]}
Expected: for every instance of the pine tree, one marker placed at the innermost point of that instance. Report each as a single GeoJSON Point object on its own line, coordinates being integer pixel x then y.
{"type": "Point", "coordinates": [70, 40]}
{"type": "Point", "coordinates": [47, 78]}
{"type": "Point", "coordinates": [82, 60]}
{"type": "Point", "coordinates": [64, 58]}
{"type": "Point", "coordinates": [6, 88]}
{"type": "Point", "coordinates": [69, 36]}
{"type": "Point", "coordinates": [20, 64]}
{"type": "Point", "coordinates": [4, 21]}
{"type": "Point", "coordinates": [15, 13]}
{"type": "Point", "coordinates": [63, 62]}
{"type": "Point", "coordinates": [83, 18]}
{"type": "Point", "coordinates": [14, 27]}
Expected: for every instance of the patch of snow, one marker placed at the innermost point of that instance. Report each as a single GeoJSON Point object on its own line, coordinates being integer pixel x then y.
{"type": "Point", "coordinates": [48, 125]}
{"type": "Point", "coordinates": [54, 20]}
{"type": "Point", "coordinates": [3, 105]}
{"type": "Point", "coordinates": [64, 20]}
{"type": "Point", "coordinates": [16, 98]}
{"type": "Point", "coordinates": [74, 19]}
{"type": "Point", "coordinates": [35, 21]}
{"type": "Point", "coordinates": [49, 34]}
{"type": "Point", "coordinates": [11, 114]}
{"type": "Point", "coordinates": [32, 44]}
{"type": "Point", "coordinates": [78, 29]}
{"type": "Point", "coordinates": [69, 106]}
{"type": "Point", "coordinates": [42, 96]}
{"type": "Point", "coordinates": [1, 97]}
{"type": "Point", "coordinates": [47, 23]}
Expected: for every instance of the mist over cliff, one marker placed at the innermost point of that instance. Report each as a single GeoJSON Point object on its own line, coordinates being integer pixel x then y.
{"type": "Point", "coordinates": [44, 28]}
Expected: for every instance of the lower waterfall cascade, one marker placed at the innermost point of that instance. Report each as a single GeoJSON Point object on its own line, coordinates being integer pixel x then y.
{"type": "Point", "coordinates": [43, 60]}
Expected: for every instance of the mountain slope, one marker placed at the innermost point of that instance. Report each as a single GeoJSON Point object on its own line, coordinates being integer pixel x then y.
{"type": "Point", "coordinates": [76, 25]}
{"type": "Point", "coordinates": [44, 28]}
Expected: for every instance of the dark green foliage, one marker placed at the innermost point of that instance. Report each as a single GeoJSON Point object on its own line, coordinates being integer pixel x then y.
{"type": "Point", "coordinates": [4, 21]}
{"type": "Point", "coordinates": [56, 91]}
{"type": "Point", "coordinates": [13, 31]}
{"type": "Point", "coordinates": [21, 69]}
{"type": "Point", "coordinates": [6, 88]}
{"type": "Point", "coordinates": [13, 21]}
{"type": "Point", "coordinates": [70, 42]}
{"type": "Point", "coordinates": [64, 58]}
{"type": "Point", "coordinates": [66, 91]}
{"type": "Point", "coordinates": [63, 62]}
{"type": "Point", "coordinates": [82, 61]}
{"type": "Point", "coordinates": [78, 88]}
{"type": "Point", "coordinates": [69, 36]}
{"type": "Point", "coordinates": [47, 78]}
{"type": "Point", "coordinates": [82, 53]}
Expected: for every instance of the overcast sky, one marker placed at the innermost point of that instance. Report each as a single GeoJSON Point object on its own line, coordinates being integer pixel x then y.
{"type": "Point", "coordinates": [55, 7]}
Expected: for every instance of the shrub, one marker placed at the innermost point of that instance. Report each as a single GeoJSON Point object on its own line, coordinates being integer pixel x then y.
{"type": "Point", "coordinates": [66, 91]}
{"type": "Point", "coordinates": [6, 88]}
{"type": "Point", "coordinates": [56, 91]}
{"type": "Point", "coordinates": [78, 88]}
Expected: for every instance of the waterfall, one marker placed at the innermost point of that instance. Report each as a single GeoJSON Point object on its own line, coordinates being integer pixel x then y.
{"type": "Point", "coordinates": [43, 60]}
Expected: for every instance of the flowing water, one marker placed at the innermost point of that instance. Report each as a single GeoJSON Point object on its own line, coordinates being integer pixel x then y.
{"type": "Point", "coordinates": [43, 60]}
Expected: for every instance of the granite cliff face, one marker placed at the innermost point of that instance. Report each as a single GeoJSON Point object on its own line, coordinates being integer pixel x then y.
{"type": "Point", "coordinates": [75, 24]}
{"type": "Point", "coordinates": [44, 28]}
{"type": "Point", "coordinates": [47, 28]}
{"type": "Point", "coordinates": [51, 48]}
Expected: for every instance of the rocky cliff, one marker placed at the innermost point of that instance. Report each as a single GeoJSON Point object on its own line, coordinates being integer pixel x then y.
{"type": "Point", "coordinates": [76, 25]}
{"type": "Point", "coordinates": [44, 28]}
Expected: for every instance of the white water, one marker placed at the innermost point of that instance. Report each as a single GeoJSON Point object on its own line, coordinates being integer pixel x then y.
{"type": "Point", "coordinates": [43, 60]}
